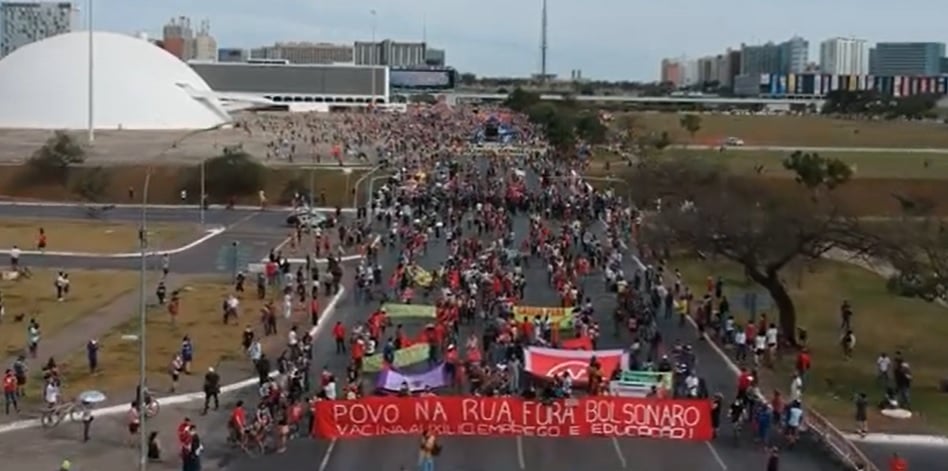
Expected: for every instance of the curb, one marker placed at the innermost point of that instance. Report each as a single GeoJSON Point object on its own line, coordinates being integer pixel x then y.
{"type": "Point", "coordinates": [194, 207]}
{"type": "Point", "coordinates": [210, 234]}
{"type": "Point", "coordinates": [899, 439]}
{"type": "Point", "coordinates": [189, 397]}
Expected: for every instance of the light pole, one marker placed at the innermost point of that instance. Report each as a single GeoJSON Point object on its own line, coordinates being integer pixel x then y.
{"type": "Point", "coordinates": [203, 192]}
{"type": "Point", "coordinates": [348, 172]}
{"type": "Point", "coordinates": [91, 90]}
{"type": "Point", "coordinates": [143, 298]}
{"type": "Point", "coordinates": [355, 196]}
{"type": "Point", "coordinates": [376, 56]}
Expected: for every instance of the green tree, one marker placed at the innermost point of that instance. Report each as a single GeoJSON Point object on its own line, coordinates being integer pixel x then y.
{"type": "Point", "coordinates": [590, 129]}
{"type": "Point", "coordinates": [92, 185]}
{"type": "Point", "coordinates": [233, 173]}
{"type": "Point", "coordinates": [690, 123]}
{"type": "Point", "coordinates": [814, 171]}
{"type": "Point", "coordinates": [521, 100]}
{"type": "Point", "coordinates": [53, 159]}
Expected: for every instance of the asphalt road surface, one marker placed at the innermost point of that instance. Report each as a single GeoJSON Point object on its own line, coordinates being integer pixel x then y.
{"type": "Point", "coordinates": [489, 454]}
{"type": "Point", "coordinates": [861, 150]}
{"type": "Point", "coordinates": [256, 231]}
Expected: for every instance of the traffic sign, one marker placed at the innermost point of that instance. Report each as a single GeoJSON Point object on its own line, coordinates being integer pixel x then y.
{"type": "Point", "coordinates": [233, 257]}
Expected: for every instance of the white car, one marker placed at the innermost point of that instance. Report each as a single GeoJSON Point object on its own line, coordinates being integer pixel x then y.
{"type": "Point", "coordinates": [309, 219]}
{"type": "Point", "coordinates": [734, 141]}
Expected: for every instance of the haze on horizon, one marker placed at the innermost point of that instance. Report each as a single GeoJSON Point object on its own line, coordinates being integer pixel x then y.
{"type": "Point", "coordinates": [606, 39]}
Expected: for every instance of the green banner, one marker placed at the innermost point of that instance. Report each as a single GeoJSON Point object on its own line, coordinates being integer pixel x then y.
{"type": "Point", "coordinates": [414, 354]}
{"type": "Point", "coordinates": [403, 311]}
{"type": "Point", "coordinates": [647, 378]}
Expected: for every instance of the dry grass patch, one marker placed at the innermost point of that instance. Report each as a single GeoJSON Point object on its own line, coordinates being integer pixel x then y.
{"type": "Point", "coordinates": [93, 236]}
{"type": "Point", "coordinates": [817, 131]}
{"type": "Point", "coordinates": [199, 318]}
{"type": "Point", "coordinates": [883, 323]}
{"type": "Point", "coordinates": [906, 165]}
{"type": "Point", "coordinates": [35, 297]}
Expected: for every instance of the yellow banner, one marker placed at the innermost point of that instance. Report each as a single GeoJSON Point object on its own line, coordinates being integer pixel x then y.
{"type": "Point", "coordinates": [414, 354]}
{"type": "Point", "coordinates": [559, 316]}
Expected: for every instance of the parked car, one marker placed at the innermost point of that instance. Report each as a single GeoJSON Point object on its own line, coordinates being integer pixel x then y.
{"type": "Point", "coordinates": [734, 142]}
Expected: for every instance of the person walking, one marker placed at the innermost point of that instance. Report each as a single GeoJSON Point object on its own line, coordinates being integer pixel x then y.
{"type": "Point", "coordinates": [429, 449]}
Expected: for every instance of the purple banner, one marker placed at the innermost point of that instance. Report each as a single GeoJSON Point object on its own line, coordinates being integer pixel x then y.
{"type": "Point", "coordinates": [392, 380]}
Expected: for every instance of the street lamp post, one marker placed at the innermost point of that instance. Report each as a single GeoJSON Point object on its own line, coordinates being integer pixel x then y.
{"type": "Point", "coordinates": [203, 192]}
{"type": "Point", "coordinates": [91, 90]}
{"type": "Point", "coordinates": [143, 298]}
{"type": "Point", "coordinates": [355, 196]}
{"type": "Point", "coordinates": [376, 59]}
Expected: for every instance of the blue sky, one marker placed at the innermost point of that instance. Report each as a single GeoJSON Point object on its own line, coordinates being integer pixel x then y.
{"type": "Point", "coordinates": [606, 39]}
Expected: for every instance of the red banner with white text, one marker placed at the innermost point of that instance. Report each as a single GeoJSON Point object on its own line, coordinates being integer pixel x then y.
{"type": "Point", "coordinates": [601, 416]}
{"type": "Point", "coordinates": [552, 362]}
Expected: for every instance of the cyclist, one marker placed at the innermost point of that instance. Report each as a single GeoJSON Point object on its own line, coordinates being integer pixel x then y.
{"type": "Point", "coordinates": [736, 414]}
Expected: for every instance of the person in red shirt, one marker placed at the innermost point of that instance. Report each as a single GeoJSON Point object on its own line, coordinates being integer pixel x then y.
{"type": "Point", "coordinates": [339, 333]}
{"type": "Point", "coordinates": [10, 397]}
{"type": "Point", "coordinates": [744, 381]}
{"type": "Point", "coordinates": [238, 421]}
{"type": "Point", "coordinates": [897, 463]}
{"type": "Point", "coordinates": [314, 310]}
{"type": "Point", "coordinates": [183, 436]}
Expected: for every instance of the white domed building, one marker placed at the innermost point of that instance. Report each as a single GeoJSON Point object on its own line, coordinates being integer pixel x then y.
{"type": "Point", "coordinates": [137, 86]}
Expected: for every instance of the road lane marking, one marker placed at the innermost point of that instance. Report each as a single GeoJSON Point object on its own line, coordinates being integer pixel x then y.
{"type": "Point", "coordinates": [520, 458]}
{"type": "Point", "coordinates": [615, 444]}
{"type": "Point", "coordinates": [326, 456]}
{"type": "Point", "coordinates": [716, 456]}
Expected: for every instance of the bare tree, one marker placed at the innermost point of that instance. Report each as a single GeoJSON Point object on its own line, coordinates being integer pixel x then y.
{"type": "Point", "coordinates": [706, 209]}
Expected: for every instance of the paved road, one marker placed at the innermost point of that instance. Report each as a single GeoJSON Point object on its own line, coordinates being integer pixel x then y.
{"type": "Point", "coordinates": [257, 230]}
{"type": "Point", "coordinates": [861, 150]}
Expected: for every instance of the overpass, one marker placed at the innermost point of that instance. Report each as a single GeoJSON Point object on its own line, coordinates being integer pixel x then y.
{"type": "Point", "coordinates": [454, 97]}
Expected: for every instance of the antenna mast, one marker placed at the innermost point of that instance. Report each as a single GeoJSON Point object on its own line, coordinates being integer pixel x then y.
{"type": "Point", "coordinates": [543, 44]}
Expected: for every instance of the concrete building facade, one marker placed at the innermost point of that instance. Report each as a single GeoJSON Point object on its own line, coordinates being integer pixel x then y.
{"type": "Point", "coordinates": [844, 56]}
{"type": "Point", "coordinates": [390, 53]}
{"type": "Point", "coordinates": [22, 23]}
{"type": "Point", "coordinates": [906, 58]}
{"type": "Point", "coordinates": [306, 53]}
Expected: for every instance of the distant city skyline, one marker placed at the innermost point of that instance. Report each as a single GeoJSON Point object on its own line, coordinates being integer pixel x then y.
{"type": "Point", "coordinates": [616, 40]}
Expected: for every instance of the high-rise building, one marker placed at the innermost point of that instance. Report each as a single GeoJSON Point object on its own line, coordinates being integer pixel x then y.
{"type": "Point", "coordinates": [912, 59]}
{"type": "Point", "coordinates": [844, 56]}
{"type": "Point", "coordinates": [672, 72]}
{"type": "Point", "coordinates": [306, 53]}
{"type": "Point", "coordinates": [390, 53]}
{"type": "Point", "coordinates": [760, 59]}
{"type": "Point", "coordinates": [22, 23]}
{"type": "Point", "coordinates": [794, 55]}
{"type": "Point", "coordinates": [180, 39]}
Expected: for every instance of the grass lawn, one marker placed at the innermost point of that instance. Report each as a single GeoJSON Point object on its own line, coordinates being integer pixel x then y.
{"type": "Point", "coordinates": [73, 235]}
{"type": "Point", "coordinates": [199, 318]}
{"type": "Point", "coordinates": [36, 298]}
{"type": "Point", "coordinates": [867, 165]}
{"type": "Point", "coordinates": [883, 323]}
{"type": "Point", "coordinates": [816, 131]}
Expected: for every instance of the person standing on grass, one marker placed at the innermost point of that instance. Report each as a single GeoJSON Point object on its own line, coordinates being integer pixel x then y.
{"type": "Point", "coordinates": [862, 416]}
{"type": "Point", "coordinates": [33, 337]}
{"type": "Point", "coordinates": [92, 355]}
{"type": "Point", "coordinates": [41, 240]}
{"type": "Point", "coordinates": [10, 398]}
{"type": "Point", "coordinates": [60, 285]}
{"type": "Point", "coordinates": [187, 354]}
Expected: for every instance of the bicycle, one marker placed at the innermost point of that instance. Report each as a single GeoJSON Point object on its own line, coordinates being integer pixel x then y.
{"type": "Point", "coordinates": [54, 415]}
